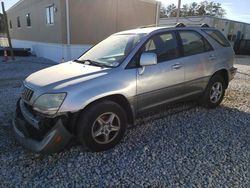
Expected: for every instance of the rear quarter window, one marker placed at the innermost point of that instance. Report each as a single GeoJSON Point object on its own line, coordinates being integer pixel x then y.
{"type": "Point", "coordinates": [218, 37]}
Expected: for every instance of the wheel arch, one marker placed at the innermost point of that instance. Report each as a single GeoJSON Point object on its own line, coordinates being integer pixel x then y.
{"type": "Point", "coordinates": [224, 74]}
{"type": "Point", "coordinates": [119, 99]}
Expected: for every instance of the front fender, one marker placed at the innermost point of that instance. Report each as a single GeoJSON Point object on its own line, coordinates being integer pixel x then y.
{"type": "Point", "coordinates": [122, 82]}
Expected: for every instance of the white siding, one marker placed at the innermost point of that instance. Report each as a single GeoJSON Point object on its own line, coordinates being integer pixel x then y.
{"type": "Point", "coordinates": [55, 52]}
{"type": "Point", "coordinates": [222, 24]}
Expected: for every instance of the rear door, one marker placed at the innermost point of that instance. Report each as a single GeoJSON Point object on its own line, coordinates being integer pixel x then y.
{"type": "Point", "coordinates": [160, 83]}
{"type": "Point", "coordinates": [198, 57]}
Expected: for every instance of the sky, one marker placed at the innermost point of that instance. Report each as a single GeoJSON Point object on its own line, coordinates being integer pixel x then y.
{"type": "Point", "coordinates": [236, 10]}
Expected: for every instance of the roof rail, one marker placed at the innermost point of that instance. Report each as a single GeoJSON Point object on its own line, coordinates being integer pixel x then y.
{"type": "Point", "coordinates": [180, 25]}
{"type": "Point", "coordinates": [175, 25]}
{"type": "Point", "coordinates": [204, 25]}
{"type": "Point", "coordinates": [183, 25]}
{"type": "Point", "coordinates": [157, 25]}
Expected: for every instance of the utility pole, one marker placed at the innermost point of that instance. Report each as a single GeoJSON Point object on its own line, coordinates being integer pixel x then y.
{"type": "Point", "coordinates": [158, 6]}
{"type": "Point", "coordinates": [7, 31]}
{"type": "Point", "coordinates": [178, 11]}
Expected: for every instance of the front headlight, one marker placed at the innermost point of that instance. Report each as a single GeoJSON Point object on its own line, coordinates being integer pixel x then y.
{"type": "Point", "coordinates": [49, 103]}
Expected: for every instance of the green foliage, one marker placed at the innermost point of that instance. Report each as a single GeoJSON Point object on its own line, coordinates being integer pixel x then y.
{"type": "Point", "coordinates": [194, 9]}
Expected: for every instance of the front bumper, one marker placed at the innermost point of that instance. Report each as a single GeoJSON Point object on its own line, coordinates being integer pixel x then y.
{"type": "Point", "coordinates": [28, 133]}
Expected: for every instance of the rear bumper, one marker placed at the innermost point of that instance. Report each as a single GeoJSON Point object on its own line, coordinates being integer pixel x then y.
{"type": "Point", "coordinates": [54, 140]}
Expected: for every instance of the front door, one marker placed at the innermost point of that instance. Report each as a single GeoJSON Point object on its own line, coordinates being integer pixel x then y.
{"type": "Point", "coordinates": [160, 83]}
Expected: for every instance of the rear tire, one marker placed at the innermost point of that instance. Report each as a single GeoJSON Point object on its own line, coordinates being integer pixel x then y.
{"type": "Point", "coordinates": [214, 93]}
{"type": "Point", "coordinates": [101, 126]}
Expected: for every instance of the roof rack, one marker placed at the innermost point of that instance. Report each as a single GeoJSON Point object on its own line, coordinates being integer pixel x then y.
{"type": "Point", "coordinates": [183, 25]}
{"type": "Point", "coordinates": [175, 25]}
{"type": "Point", "coordinates": [204, 25]}
{"type": "Point", "coordinates": [180, 25]}
{"type": "Point", "coordinates": [157, 25]}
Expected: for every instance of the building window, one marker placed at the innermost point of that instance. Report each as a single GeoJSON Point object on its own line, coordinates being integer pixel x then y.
{"type": "Point", "coordinates": [10, 23]}
{"type": "Point", "coordinates": [50, 15]}
{"type": "Point", "coordinates": [18, 22]}
{"type": "Point", "coordinates": [28, 20]}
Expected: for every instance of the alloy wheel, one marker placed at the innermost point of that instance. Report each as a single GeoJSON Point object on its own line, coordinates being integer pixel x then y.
{"type": "Point", "coordinates": [216, 92]}
{"type": "Point", "coordinates": [106, 128]}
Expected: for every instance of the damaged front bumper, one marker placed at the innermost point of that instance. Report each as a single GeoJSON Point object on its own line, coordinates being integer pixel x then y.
{"type": "Point", "coordinates": [41, 135]}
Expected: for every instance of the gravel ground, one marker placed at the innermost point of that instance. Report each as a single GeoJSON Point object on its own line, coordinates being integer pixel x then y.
{"type": "Point", "coordinates": [182, 146]}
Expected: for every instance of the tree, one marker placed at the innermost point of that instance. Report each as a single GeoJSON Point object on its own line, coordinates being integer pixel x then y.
{"type": "Point", "coordinates": [202, 8]}
{"type": "Point", "coordinates": [163, 12]}
{"type": "Point", "coordinates": [195, 9]}
{"type": "Point", "coordinates": [172, 10]}
{"type": "Point", "coordinates": [184, 10]}
{"type": "Point", "coordinates": [169, 11]}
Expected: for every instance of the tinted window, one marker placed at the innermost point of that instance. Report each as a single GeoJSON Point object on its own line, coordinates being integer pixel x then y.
{"type": "Point", "coordinates": [218, 37]}
{"type": "Point", "coordinates": [164, 45]}
{"type": "Point", "coordinates": [193, 43]}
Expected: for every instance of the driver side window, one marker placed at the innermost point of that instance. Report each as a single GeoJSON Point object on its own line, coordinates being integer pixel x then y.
{"type": "Point", "coordinates": [164, 46]}
{"type": "Point", "coordinates": [150, 46]}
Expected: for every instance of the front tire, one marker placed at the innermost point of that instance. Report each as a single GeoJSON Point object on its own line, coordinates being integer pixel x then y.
{"type": "Point", "coordinates": [101, 126]}
{"type": "Point", "coordinates": [214, 92]}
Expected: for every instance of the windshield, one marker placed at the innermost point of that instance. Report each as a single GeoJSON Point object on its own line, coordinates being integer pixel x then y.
{"type": "Point", "coordinates": [113, 50]}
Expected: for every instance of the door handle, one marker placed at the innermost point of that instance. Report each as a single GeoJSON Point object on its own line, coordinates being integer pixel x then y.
{"type": "Point", "coordinates": [212, 57]}
{"type": "Point", "coordinates": [176, 66]}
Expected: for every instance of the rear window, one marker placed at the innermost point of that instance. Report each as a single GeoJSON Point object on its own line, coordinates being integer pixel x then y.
{"type": "Point", "coordinates": [218, 37]}
{"type": "Point", "coordinates": [193, 43]}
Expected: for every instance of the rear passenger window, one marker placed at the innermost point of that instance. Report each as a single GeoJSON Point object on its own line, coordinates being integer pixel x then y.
{"type": "Point", "coordinates": [164, 45]}
{"type": "Point", "coordinates": [218, 37]}
{"type": "Point", "coordinates": [193, 43]}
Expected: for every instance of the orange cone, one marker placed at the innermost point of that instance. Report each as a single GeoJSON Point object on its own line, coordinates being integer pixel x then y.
{"type": "Point", "coordinates": [5, 56]}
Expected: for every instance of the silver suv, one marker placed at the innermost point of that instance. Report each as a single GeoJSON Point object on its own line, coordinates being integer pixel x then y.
{"type": "Point", "coordinates": [96, 96]}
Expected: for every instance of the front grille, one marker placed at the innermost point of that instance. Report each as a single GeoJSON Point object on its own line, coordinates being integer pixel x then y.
{"type": "Point", "coordinates": [27, 94]}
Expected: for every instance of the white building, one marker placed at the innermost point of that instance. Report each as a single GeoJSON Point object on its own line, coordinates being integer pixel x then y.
{"type": "Point", "coordinates": [64, 29]}
{"type": "Point", "coordinates": [233, 30]}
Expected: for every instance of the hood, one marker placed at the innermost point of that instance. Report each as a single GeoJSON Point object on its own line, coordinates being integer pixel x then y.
{"type": "Point", "coordinates": [63, 75]}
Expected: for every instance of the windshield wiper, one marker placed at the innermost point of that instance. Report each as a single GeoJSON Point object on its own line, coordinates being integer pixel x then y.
{"type": "Point", "coordinates": [79, 61]}
{"type": "Point", "coordinates": [90, 62]}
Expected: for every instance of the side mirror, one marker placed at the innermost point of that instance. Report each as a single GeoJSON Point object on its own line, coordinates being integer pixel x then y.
{"type": "Point", "coordinates": [148, 59]}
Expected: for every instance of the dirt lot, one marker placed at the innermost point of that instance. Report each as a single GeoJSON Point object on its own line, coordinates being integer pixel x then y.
{"type": "Point", "coordinates": [184, 146]}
